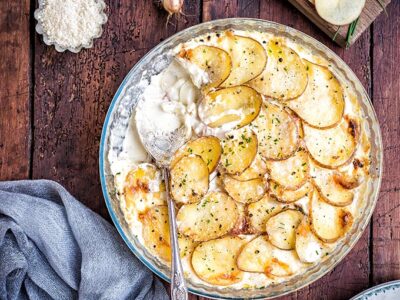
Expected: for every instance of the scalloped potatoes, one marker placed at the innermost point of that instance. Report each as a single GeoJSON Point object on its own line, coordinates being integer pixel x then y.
{"type": "Point", "coordinates": [272, 176]}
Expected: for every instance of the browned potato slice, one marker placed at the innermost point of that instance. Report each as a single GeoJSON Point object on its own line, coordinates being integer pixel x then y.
{"type": "Point", "coordinates": [348, 181]}
{"type": "Point", "coordinates": [248, 58]}
{"type": "Point", "coordinates": [245, 191]}
{"type": "Point", "coordinates": [215, 261]}
{"type": "Point", "coordinates": [189, 179]}
{"type": "Point", "coordinates": [331, 191]}
{"type": "Point", "coordinates": [234, 107]}
{"type": "Point", "coordinates": [207, 147]}
{"type": "Point", "coordinates": [214, 61]}
{"type": "Point", "coordinates": [308, 247]}
{"type": "Point", "coordinates": [241, 222]}
{"type": "Point", "coordinates": [285, 76]}
{"type": "Point", "coordinates": [156, 231]}
{"type": "Point", "coordinates": [258, 213]}
{"type": "Point", "coordinates": [339, 12]}
{"type": "Point", "coordinates": [156, 234]}
{"type": "Point", "coordinates": [239, 149]}
{"type": "Point", "coordinates": [328, 222]}
{"type": "Point", "coordinates": [186, 246]}
{"type": "Point", "coordinates": [277, 133]}
{"type": "Point", "coordinates": [290, 173]}
{"type": "Point", "coordinates": [322, 103]}
{"type": "Point", "coordinates": [139, 191]}
{"type": "Point", "coordinates": [281, 228]}
{"type": "Point", "coordinates": [214, 216]}
{"type": "Point", "coordinates": [332, 147]}
{"type": "Point", "coordinates": [352, 177]}
{"type": "Point", "coordinates": [257, 169]}
{"type": "Point", "coordinates": [288, 196]}
{"type": "Point", "coordinates": [260, 256]}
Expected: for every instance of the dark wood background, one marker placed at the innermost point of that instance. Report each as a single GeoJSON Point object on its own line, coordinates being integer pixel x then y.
{"type": "Point", "coordinates": [52, 107]}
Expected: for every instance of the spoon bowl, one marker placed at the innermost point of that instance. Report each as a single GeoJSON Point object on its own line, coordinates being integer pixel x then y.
{"type": "Point", "coordinates": [161, 146]}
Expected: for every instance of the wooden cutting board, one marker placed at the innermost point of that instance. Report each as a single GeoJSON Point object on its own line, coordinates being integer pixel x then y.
{"type": "Point", "coordinates": [370, 12]}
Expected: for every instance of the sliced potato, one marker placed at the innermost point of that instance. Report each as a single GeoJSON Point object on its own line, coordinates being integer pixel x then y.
{"type": "Point", "coordinates": [289, 196]}
{"type": "Point", "coordinates": [277, 133]}
{"type": "Point", "coordinates": [281, 228]}
{"type": "Point", "coordinates": [207, 147]}
{"type": "Point", "coordinates": [234, 107]}
{"type": "Point", "coordinates": [186, 246]}
{"type": "Point", "coordinates": [140, 191]}
{"type": "Point", "coordinates": [248, 58]}
{"type": "Point", "coordinates": [339, 12]}
{"type": "Point", "coordinates": [322, 103]}
{"type": "Point", "coordinates": [189, 179]}
{"type": "Point", "coordinates": [215, 261]}
{"type": "Point", "coordinates": [258, 213]}
{"type": "Point", "coordinates": [241, 222]}
{"type": "Point", "coordinates": [284, 77]}
{"type": "Point", "coordinates": [239, 149]}
{"type": "Point", "coordinates": [214, 216]}
{"type": "Point", "coordinates": [257, 169]}
{"type": "Point", "coordinates": [245, 191]}
{"type": "Point", "coordinates": [331, 191]}
{"type": "Point", "coordinates": [156, 231]}
{"type": "Point", "coordinates": [214, 61]}
{"type": "Point", "coordinates": [328, 222]}
{"type": "Point", "coordinates": [308, 247]}
{"type": "Point", "coordinates": [156, 234]}
{"type": "Point", "coordinates": [352, 177]}
{"type": "Point", "coordinates": [332, 147]}
{"type": "Point", "coordinates": [292, 172]}
{"type": "Point", "coordinates": [348, 181]}
{"type": "Point", "coordinates": [260, 256]}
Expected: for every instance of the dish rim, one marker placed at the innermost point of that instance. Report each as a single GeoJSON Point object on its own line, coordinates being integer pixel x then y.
{"type": "Point", "coordinates": [224, 22]}
{"type": "Point", "coordinates": [376, 289]}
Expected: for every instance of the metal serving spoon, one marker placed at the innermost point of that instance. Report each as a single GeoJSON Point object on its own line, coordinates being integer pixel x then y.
{"type": "Point", "coordinates": [162, 147]}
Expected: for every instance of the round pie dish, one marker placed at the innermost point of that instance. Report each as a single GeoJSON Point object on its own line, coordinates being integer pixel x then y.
{"type": "Point", "coordinates": [125, 101]}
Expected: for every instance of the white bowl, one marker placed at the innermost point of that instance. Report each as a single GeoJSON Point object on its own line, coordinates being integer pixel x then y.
{"type": "Point", "coordinates": [61, 48]}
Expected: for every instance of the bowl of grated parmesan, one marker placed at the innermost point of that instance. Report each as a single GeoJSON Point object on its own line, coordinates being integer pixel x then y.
{"type": "Point", "coordinates": [70, 24]}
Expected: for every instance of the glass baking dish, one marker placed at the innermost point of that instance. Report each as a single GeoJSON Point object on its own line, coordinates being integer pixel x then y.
{"type": "Point", "coordinates": [125, 100]}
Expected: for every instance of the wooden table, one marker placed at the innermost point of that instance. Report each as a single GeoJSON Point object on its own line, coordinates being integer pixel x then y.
{"type": "Point", "coordinates": [52, 107]}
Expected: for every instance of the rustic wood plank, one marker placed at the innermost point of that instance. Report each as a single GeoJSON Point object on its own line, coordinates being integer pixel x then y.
{"type": "Point", "coordinates": [229, 9]}
{"type": "Point", "coordinates": [15, 66]}
{"type": "Point", "coordinates": [386, 95]}
{"type": "Point", "coordinates": [352, 274]}
{"type": "Point", "coordinates": [73, 92]}
{"type": "Point", "coordinates": [371, 11]}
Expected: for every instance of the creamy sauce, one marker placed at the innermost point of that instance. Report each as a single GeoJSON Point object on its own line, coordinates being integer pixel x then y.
{"type": "Point", "coordinates": [170, 101]}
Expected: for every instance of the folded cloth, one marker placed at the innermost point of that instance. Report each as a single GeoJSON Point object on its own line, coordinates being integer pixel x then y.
{"type": "Point", "coordinates": [53, 247]}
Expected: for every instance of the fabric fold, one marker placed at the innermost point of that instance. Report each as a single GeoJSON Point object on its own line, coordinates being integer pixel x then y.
{"type": "Point", "coordinates": [53, 247]}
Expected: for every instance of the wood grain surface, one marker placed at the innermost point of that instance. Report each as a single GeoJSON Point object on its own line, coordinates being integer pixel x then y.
{"type": "Point", "coordinates": [52, 107]}
{"type": "Point", "coordinates": [15, 87]}
{"type": "Point", "coordinates": [385, 250]}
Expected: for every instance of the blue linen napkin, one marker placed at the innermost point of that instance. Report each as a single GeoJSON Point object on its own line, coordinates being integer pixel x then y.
{"type": "Point", "coordinates": [53, 247]}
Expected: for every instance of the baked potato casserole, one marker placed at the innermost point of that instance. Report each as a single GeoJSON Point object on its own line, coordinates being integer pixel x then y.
{"type": "Point", "coordinates": [275, 167]}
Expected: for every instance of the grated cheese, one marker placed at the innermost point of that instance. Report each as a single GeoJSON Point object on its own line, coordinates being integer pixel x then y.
{"type": "Point", "coordinates": [71, 23]}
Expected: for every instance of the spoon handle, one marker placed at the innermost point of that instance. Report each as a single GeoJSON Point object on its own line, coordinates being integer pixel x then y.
{"type": "Point", "coordinates": [178, 285]}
